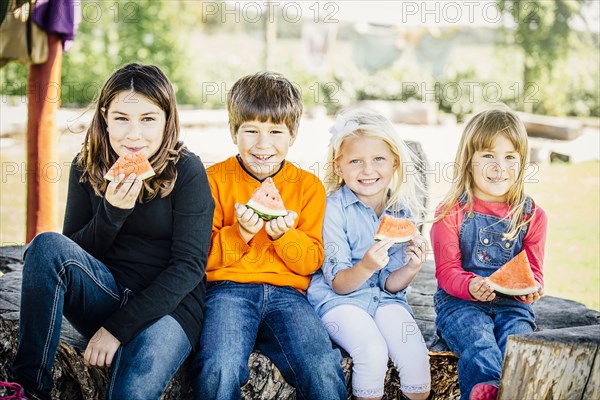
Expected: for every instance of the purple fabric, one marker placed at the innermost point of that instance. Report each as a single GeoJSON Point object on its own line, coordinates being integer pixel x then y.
{"type": "Point", "coordinates": [58, 16]}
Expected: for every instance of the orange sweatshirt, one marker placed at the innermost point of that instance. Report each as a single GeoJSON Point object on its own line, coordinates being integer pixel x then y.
{"type": "Point", "coordinates": [287, 261]}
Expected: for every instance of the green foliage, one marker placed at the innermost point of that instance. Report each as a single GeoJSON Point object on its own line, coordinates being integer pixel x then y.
{"type": "Point", "coordinates": [460, 93]}
{"type": "Point", "coordinates": [542, 32]}
{"type": "Point", "coordinates": [112, 34]}
{"type": "Point", "coordinates": [578, 97]}
{"type": "Point", "coordinates": [205, 48]}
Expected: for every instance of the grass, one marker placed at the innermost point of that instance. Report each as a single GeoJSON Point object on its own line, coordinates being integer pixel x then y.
{"type": "Point", "coordinates": [569, 193]}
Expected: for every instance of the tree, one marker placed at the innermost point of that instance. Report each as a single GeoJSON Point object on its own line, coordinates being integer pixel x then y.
{"type": "Point", "coordinates": [542, 32]}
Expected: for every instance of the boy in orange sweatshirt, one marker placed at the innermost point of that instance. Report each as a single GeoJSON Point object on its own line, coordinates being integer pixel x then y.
{"type": "Point", "coordinates": [257, 270]}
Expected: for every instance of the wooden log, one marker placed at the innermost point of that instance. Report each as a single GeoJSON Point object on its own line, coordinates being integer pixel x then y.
{"type": "Point", "coordinates": [552, 364]}
{"type": "Point", "coordinates": [73, 380]}
{"type": "Point", "coordinates": [551, 127]}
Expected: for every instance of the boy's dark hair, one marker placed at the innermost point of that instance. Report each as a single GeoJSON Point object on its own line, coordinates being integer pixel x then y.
{"type": "Point", "coordinates": [264, 96]}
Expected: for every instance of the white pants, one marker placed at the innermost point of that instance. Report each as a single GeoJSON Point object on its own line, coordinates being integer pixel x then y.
{"type": "Point", "coordinates": [369, 341]}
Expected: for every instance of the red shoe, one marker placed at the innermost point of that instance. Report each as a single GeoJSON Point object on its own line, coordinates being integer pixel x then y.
{"type": "Point", "coordinates": [484, 391]}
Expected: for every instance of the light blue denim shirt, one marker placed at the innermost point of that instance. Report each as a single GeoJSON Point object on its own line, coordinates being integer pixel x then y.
{"type": "Point", "coordinates": [349, 229]}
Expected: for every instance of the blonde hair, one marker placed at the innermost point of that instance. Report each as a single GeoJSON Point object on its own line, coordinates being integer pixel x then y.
{"type": "Point", "coordinates": [361, 122]}
{"type": "Point", "coordinates": [264, 96]}
{"type": "Point", "coordinates": [97, 155]}
{"type": "Point", "coordinates": [479, 134]}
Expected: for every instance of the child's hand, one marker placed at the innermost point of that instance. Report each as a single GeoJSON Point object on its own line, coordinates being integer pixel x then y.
{"type": "Point", "coordinates": [530, 298]}
{"type": "Point", "coordinates": [123, 191]}
{"type": "Point", "coordinates": [481, 290]}
{"type": "Point", "coordinates": [417, 252]}
{"type": "Point", "coordinates": [277, 227]}
{"type": "Point", "coordinates": [249, 222]}
{"type": "Point", "coordinates": [377, 256]}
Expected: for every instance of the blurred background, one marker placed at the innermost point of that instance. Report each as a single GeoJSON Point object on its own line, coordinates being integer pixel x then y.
{"type": "Point", "coordinates": [427, 66]}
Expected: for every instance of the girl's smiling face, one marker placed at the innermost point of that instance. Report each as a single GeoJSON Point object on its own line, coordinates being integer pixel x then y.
{"type": "Point", "coordinates": [134, 124]}
{"type": "Point", "coordinates": [495, 170]}
{"type": "Point", "coordinates": [366, 165]}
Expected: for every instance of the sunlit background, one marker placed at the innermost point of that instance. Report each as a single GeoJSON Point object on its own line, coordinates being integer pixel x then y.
{"type": "Point", "coordinates": [426, 65]}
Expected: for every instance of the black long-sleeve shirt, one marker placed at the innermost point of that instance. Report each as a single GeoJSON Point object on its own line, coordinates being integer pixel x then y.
{"type": "Point", "coordinates": [158, 249]}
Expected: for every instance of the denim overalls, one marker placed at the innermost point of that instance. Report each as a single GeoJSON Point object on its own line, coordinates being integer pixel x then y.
{"type": "Point", "coordinates": [474, 330]}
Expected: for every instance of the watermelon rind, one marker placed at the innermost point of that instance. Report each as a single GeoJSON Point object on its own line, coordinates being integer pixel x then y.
{"type": "Point", "coordinates": [265, 214]}
{"type": "Point", "coordinates": [405, 239]}
{"type": "Point", "coordinates": [513, 291]}
{"type": "Point", "coordinates": [109, 176]}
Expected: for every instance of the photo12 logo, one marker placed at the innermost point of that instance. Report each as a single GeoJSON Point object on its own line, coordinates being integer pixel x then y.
{"type": "Point", "coordinates": [270, 11]}
{"type": "Point", "coordinates": [464, 12]}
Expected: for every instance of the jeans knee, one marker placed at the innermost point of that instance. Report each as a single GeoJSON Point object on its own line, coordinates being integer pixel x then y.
{"type": "Point", "coordinates": [41, 253]}
{"type": "Point", "coordinates": [46, 246]}
{"type": "Point", "coordinates": [220, 371]}
{"type": "Point", "coordinates": [47, 240]}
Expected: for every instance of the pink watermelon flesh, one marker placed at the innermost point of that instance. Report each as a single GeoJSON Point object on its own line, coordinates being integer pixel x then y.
{"type": "Point", "coordinates": [130, 163]}
{"type": "Point", "coordinates": [400, 230]}
{"type": "Point", "coordinates": [266, 201]}
{"type": "Point", "coordinates": [514, 278]}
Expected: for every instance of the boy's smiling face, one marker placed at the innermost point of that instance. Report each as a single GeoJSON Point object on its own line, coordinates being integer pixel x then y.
{"type": "Point", "coordinates": [263, 146]}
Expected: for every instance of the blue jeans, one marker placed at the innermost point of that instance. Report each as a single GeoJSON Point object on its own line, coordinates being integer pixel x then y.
{"type": "Point", "coordinates": [284, 327]}
{"type": "Point", "coordinates": [60, 278]}
{"type": "Point", "coordinates": [477, 332]}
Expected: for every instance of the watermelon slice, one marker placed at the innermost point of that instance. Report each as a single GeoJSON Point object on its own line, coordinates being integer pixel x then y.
{"type": "Point", "coordinates": [400, 230]}
{"type": "Point", "coordinates": [130, 163]}
{"type": "Point", "coordinates": [266, 201]}
{"type": "Point", "coordinates": [514, 278]}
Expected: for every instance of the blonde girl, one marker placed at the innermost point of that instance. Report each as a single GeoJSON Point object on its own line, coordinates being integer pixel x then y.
{"type": "Point", "coordinates": [360, 291]}
{"type": "Point", "coordinates": [485, 220]}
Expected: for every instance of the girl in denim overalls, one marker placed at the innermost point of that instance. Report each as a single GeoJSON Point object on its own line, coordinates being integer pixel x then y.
{"type": "Point", "coordinates": [485, 220]}
{"type": "Point", "coordinates": [360, 291]}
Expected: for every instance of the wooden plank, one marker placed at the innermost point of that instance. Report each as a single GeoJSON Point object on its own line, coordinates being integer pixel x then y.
{"type": "Point", "coordinates": [552, 364]}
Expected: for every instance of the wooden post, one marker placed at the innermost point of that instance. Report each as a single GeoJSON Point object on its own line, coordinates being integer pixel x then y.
{"type": "Point", "coordinates": [552, 364]}
{"type": "Point", "coordinates": [43, 101]}
{"type": "Point", "coordinates": [270, 36]}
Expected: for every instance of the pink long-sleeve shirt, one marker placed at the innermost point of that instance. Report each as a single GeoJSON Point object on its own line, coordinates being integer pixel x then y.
{"type": "Point", "coordinates": [451, 276]}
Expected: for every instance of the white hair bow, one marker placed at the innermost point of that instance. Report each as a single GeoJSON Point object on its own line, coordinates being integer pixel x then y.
{"type": "Point", "coordinates": [341, 127]}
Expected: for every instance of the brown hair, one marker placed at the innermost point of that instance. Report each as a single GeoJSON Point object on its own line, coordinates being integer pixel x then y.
{"type": "Point", "coordinates": [97, 155]}
{"type": "Point", "coordinates": [479, 134]}
{"type": "Point", "coordinates": [264, 96]}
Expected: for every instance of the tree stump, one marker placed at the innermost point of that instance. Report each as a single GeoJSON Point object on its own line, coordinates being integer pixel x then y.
{"type": "Point", "coordinates": [553, 364]}
{"type": "Point", "coordinates": [73, 380]}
